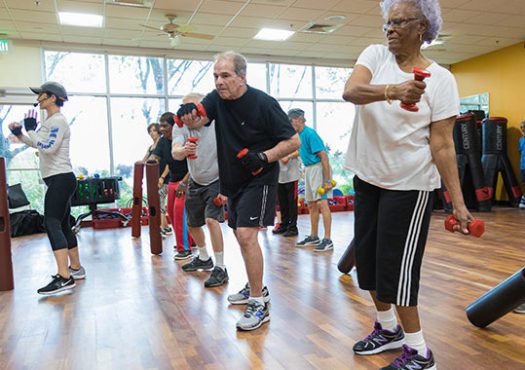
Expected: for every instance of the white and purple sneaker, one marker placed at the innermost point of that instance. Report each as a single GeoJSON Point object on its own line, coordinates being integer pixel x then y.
{"type": "Point", "coordinates": [380, 340]}
{"type": "Point", "coordinates": [410, 360]}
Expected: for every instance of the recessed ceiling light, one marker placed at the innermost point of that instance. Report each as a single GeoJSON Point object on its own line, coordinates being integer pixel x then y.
{"type": "Point", "coordinates": [273, 34]}
{"type": "Point", "coordinates": [335, 18]}
{"type": "Point", "coordinates": [80, 19]}
{"type": "Point", "coordinates": [435, 42]}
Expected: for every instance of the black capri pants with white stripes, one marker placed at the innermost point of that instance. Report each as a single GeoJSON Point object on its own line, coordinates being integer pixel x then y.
{"type": "Point", "coordinates": [391, 228]}
{"type": "Point", "coordinates": [57, 209]}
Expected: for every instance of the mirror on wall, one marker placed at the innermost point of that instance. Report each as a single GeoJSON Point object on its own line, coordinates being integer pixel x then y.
{"type": "Point", "coordinates": [475, 103]}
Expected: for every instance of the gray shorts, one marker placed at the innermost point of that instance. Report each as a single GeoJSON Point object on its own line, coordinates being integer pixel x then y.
{"type": "Point", "coordinates": [313, 180]}
{"type": "Point", "coordinates": [199, 204]}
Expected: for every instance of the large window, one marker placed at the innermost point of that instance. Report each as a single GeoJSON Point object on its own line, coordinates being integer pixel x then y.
{"type": "Point", "coordinates": [21, 160]}
{"type": "Point", "coordinates": [89, 145]}
{"type": "Point", "coordinates": [109, 112]}
{"type": "Point", "coordinates": [136, 75]}
{"type": "Point", "coordinates": [130, 118]}
{"type": "Point", "coordinates": [78, 72]}
{"type": "Point", "coordinates": [256, 76]}
{"type": "Point", "coordinates": [330, 82]}
{"type": "Point", "coordinates": [185, 76]}
{"type": "Point", "coordinates": [290, 81]}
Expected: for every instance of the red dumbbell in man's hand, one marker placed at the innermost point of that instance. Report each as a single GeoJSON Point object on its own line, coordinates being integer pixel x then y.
{"type": "Point", "coordinates": [188, 109]}
{"type": "Point", "coordinates": [419, 75]}
{"type": "Point", "coordinates": [219, 200]}
{"type": "Point", "coordinates": [193, 140]}
{"type": "Point", "coordinates": [475, 227]}
{"type": "Point", "coordinates": [253, 162]}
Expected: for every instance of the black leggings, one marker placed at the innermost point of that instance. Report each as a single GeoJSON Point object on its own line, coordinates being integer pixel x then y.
{"type": "Point", "coordinates": [57, 210]}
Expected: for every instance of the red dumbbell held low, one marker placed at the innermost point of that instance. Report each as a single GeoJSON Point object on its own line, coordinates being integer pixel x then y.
{"type": "Point", "coordinates": [241, 154]}
{"type": "Point", "coordinates": [218, 201]}
{"type": "Point", "coordinates": [193, 139]}
{"type": "Point", "coordinates": [475, 227]}
{"type": "Point", "coordinates": [419, 75]}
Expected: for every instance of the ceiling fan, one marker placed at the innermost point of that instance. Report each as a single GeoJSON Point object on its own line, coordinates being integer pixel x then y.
{"type": "Point", "coordinates": [175, 31]}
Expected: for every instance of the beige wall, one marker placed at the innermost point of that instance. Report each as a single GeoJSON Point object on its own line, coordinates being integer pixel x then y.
{"type": "Point", "coordinates": [21, 67]}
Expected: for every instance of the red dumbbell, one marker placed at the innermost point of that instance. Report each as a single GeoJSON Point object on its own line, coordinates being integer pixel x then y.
{"type": "Point", "coordinates": [200, 112]}
{"type": "Point", "coordinates": [475, 227]}
{"type": "Point", "coordinates": [419, 75]}
{"type": "Point", "coordinates": [218, 201]}
{"type": "Point", "coordinates": [193, 139]}
{"type": "Point", "coordinates": [241, 154]}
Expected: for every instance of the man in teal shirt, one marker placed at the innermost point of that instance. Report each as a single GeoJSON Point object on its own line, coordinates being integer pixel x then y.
{"type": "Point", "coordinates": [318, 186]}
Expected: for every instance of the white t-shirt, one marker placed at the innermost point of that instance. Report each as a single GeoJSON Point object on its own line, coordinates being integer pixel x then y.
{"type": "Point", "coordinates": [289, 172]}
{"type": "Point", "coordinates": [204, 169]}
{"type": "Point", "coordinates": [52, 141]}
{"type": "Point", "coordinates": [390, 146]}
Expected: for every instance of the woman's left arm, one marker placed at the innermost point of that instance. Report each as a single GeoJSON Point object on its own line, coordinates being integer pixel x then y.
{"type": "Point", "coordinates": [444, 155]}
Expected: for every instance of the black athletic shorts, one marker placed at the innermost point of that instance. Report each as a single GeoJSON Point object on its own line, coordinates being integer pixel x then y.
{"type": "Point", "coordinates": [254, 206]}
{"type": "Point", "coordinates": [391, 228]}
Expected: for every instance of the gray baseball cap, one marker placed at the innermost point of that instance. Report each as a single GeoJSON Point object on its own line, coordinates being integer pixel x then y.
{"type": "Point", "coordinates": [295, 112]}
{"type": "Point", "coordinates": [52, 87]}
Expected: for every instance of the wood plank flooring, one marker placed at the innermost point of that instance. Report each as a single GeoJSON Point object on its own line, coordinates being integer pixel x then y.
{"type": "Point", "coordinates": [138, 311]}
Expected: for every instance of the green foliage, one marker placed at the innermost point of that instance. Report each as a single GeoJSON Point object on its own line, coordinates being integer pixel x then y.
{"type": "Point", "coordinates": [343, 177]}
{"type": "Point", "coordinates": [31, 185]}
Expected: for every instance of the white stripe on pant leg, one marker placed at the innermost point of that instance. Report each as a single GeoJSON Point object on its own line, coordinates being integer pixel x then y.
{"type": "Point", "coordinates": [401, 294]}
{"type": "Point", "coordinates": [414, 249]}
{"type": "Point", "coordinates": [263, 205]}
{"type": "Point", "coordinates": [403, 260]}
{"type": "Point", "coordinates": [414, 237]}
{"type": "Point", "coordinates": [405, 299]}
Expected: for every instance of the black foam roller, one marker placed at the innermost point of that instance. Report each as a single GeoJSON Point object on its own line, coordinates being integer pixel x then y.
{"type": "Point", "coordinates": [498, 301]}
{"type": "Point", "coordinates": [347, 261]}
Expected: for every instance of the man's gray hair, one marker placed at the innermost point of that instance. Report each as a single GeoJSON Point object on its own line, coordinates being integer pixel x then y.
{"type": "Point", "coordinates": [193, 96]}
{"type": "Point", "coordinates": [239, 61]}
{"type": "Point", "coordinates": [295, 113]}
{"type": "Point", "coordinates": [430, 10]}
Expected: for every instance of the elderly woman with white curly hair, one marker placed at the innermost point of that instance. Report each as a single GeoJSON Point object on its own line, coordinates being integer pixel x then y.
{"type": "Point", "coordinates": [399, 157]}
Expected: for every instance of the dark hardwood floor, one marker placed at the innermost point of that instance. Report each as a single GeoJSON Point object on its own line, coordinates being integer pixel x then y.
{"type": "Point", "coordinates": [138, 311]}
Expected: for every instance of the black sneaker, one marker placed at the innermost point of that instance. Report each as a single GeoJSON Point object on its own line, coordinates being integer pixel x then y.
{"type": "Point", "coordinates": [218, 277]}
{"type": "Point", "coordinates": [380, 340]}
{"type": "Point", "coordinates": [58, 284]}
{"type": "Point", "coordinates": [197, 264]}
{"type": "Point", "coordinates": [309, 241]}
{"type": "Point", "coordinates": [184, 255]}
{"type": "Point", "coordinates": [410, 359]}
{"type": "Point", "coordinates": [291, 232]}
{"type": "Point", "coordinates": [325, 245]}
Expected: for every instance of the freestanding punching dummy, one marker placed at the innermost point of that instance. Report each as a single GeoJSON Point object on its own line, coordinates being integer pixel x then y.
{"type": "Point", "coordinates": [347, 261]}
{"type": "Point", "coordinates": [468, 156]}
{"type": "Point", "coordinates": [498, 301]}
{"type": "Point", "coordinates": [152, 182]}
{"type": "Point", "coordinates": [6, 264]}
{"type": "Point", "coordinates": [136, 211]}
{"type": "Point", "coordinates": [495, 160]}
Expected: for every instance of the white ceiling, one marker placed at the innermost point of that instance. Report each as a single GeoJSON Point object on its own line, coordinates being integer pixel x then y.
{"type": "Point", "coordinates": [476, 27]}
